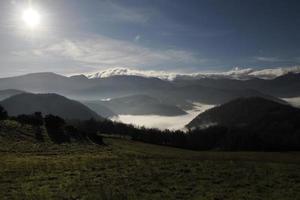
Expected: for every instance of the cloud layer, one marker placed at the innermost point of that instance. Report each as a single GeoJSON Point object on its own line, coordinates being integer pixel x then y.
{"type": "Point", "coordinates": [164, 122]}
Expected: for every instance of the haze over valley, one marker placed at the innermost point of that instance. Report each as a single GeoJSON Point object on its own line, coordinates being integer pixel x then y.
{"type": "Point", "coordinates": [150, 101]}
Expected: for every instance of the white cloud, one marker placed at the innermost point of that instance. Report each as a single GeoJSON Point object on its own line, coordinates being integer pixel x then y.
{"type": "Point", "coordinates": [122, 13]}
{"type": "Point", "coordinates": [137, 38]}
{"type": "Point", "coordinates": [275, 72]}
{"type": "Point", "coordinates": [268, 59]}
{"type": "Point", "coordinates": [295, 101]}
{"type": "Point", "coordinates": [102, 52]}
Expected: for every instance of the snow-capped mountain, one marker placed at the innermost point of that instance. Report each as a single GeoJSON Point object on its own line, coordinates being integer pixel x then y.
{"type": "Point", "coordinates": [236, 73]}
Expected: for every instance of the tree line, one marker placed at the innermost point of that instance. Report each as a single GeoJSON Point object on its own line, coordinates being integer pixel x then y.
{"type": "Point", "coordinates": [272, 138]}
{"type": "Point", "coordinates": [275, 137]}
{"type": "Point", "coordinates": [58, 130]}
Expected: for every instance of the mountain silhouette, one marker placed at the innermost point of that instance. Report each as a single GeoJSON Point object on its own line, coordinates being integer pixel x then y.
{"type": "Point", "coordinates": [54, 104]}
{"type": "Point", "coordinates": [8, 93]}
{"type": "Point", "coordinates": [177, 93]}
{"type": "Point", "coordinates": [254, 111]}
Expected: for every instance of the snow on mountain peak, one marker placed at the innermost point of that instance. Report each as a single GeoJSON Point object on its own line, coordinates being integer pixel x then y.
{"type": "Point", "coordinates": [236, 73]}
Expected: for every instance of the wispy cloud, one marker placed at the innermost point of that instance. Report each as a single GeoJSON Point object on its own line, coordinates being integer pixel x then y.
{"type": "Point", "coordinates": [101, 51]}
{"type": "Point", "coordinates": [126, 14]}
{"type": "Point", "coordinates": [297, 59]}
{"type": "Point", "coordinates": [268, 59]}
{"type": "Point", "coordinates": [137, 38]}
{"type": "Point", "coordinates": [117, 12]}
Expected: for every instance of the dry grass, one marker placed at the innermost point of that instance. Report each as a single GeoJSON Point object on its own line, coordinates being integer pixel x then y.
{"type": "Point", "coordinates": [130, 170]}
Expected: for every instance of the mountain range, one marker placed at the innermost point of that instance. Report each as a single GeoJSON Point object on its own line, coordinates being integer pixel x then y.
{"type": "Point", "coordinates": [178, 92]}
{"type": "Point", "coordinates": [284, 86]}
{"type": "Point", "coordinates": [236, 73]}
{"type": "Point", "coordinates": [140, 95]}
{"type": "Point", "coordinates": [249, 109]}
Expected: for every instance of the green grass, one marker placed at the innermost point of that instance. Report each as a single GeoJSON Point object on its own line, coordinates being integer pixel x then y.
{"type": "Point", "coordinates": [125, 169]}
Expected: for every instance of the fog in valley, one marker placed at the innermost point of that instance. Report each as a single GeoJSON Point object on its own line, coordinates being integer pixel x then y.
{"type": "Point", "coordinates": [295, 101]}
{"type": "Point", "coordinates": [164, 122]}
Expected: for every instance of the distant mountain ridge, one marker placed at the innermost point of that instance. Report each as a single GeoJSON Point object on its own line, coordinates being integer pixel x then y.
{"type": "Point", "coordinates": [54, 104]}
{"type": "Point", "coordinates": [287, 85]}
{"type": "Point", "coordinates": [178, 93]}
{"type": "Point", "coordinates": [100, 109]}
{"type": "Point", "coordinates": [140, 105]}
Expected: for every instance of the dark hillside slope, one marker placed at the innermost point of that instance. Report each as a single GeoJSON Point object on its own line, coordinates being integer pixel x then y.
{"type": "Point", "coordinates": [252, 111]}
{"type": "Point", "coordinates": [47, 104]}
{"type": "Point", "coordinates": [8, 93]}
{"type": "Point", "coordinates": [248, 124]}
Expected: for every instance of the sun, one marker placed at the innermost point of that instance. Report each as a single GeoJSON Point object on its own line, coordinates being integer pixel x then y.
{"type": "Point", "coordinates": [31, 18]}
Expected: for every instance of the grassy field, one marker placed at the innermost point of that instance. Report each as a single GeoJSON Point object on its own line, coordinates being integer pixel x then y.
{"type": "Point", "coordinates": [125, 169]}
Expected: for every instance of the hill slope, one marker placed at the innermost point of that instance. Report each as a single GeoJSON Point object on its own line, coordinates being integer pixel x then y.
{"type": "Point", "coordinates": [132, 170]}
{"type": "Point", "coordinates": [47, 104]}
{"type": "Point", "coordinates": [99, 108]}
{"type": "Point", "coordinates": [141, 105]}
{"type": "Point", "coordinates": [253, 112]}
{"type": "Point", "coordinates": [8, 93]}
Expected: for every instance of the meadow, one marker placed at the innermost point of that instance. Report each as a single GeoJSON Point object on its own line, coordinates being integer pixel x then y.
{"type": "Point", "coordinates": [124, 169]}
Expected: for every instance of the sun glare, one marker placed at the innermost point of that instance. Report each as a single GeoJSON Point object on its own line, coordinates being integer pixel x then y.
{"type": "Point", "coordinates": [31, 18]}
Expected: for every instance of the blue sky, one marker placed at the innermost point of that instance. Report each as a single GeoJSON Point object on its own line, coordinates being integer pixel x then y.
{"type": "Point", "coordinates": [81, 36]}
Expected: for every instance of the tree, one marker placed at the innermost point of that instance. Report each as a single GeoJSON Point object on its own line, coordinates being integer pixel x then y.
{"type": "Point", "coordinates": [35, 119]}
{"type": "Point", "coordinates": [38, 121]}
{"type": "Point", "coordinates": [75, 134]}
{"type": "Point", "coordinates": [91, 128]}
{"type": "Point", "coordinates": [3, 113]}
{"type": "Point", "coordinates": [55, 128]}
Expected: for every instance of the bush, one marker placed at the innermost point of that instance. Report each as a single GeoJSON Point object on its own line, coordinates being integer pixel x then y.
{"type": "Point", "coordinates": [35, 119]}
